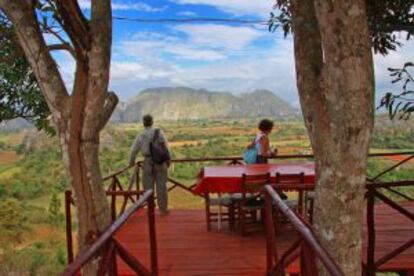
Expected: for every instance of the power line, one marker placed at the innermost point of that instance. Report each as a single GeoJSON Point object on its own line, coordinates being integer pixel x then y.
{"type": "Point", "coordinates": [219, 20]}
{"type": "Point", "coordinates": [192, 20]}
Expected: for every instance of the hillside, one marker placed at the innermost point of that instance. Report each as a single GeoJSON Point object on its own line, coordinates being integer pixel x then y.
{"type": "Point", "coordinates": [167, 103]}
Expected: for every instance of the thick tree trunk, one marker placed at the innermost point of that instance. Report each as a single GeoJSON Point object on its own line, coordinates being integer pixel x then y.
{"type": "Point", "coordinates": [336, 91]}
{"type": "Point", "coordinates": [78, 117]}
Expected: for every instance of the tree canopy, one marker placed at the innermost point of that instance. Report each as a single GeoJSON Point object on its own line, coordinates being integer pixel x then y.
{"type": "Point", "coordinates": [385, 17]}
{"type": "Point", "coordinates": [20, 96]}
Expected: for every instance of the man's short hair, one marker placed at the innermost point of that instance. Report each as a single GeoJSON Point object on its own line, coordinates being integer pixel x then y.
{"type": "Point", "coordinates": [265, 125]}
{"type": "Point", "coordinates": [147, 120]}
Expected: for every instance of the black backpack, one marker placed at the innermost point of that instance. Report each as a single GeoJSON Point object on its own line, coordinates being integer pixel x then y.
{"type": "Point", "coordinates": [159, 151]}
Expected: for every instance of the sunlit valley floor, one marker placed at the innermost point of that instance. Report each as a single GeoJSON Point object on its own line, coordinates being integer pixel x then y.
{"type": "Point", "coordinates": [32, 178]}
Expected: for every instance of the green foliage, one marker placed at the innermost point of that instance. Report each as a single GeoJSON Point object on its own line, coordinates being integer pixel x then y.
{"type": "Point", "coordinates": [31, 261]}
{"type": "Point", "coordinates": [393, 134]}
{"type": "Point", "coordinates": [41, 171]}
{"type": "Point", "coordinates": [11, 221]}
{"type": "Point", "coordinates": [20, 96]}
{"type": "Point", "coordinates": [55, 217]}
{"type": "Point", "coordinates": [401, 103]}
{"type": "Point", "coordinates": [405, 172]}
{"type": "Point", "coordinates": [385, 17]}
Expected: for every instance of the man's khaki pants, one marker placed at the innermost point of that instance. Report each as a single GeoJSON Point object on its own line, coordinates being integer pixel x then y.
{"type": "Point", "coordinates": [158, 174]}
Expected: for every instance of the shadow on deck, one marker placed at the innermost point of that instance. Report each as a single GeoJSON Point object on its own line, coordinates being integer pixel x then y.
{"type": "Point", "coordinates": [185, 247]}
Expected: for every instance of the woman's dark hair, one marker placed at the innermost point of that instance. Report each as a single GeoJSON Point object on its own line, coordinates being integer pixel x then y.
{"type": "Point", "coordinates": [265, 125]}
{"type": "Point", "coordinates": [147, 120]}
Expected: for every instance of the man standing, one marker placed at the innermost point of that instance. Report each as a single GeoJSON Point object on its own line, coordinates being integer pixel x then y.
{"type": "Point", "coordinates": [154, 170]}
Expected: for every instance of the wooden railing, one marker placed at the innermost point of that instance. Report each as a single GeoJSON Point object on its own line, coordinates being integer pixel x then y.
{"type": "Point", "coordinates": [307, 243]}
{"type": "Point", "coordinates": [129, 192]}
{"type": "Point", "coordinates": [108, 248]}
{"type": "Point", "coordinates": [372, 195]}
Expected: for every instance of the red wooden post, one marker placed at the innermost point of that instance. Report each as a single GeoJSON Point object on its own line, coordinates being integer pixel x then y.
{"type": "Point", "coordinates": [69, 241]}
{"type": "Point", "coordinates": [153, 239]}
{"type": "Point", "coordinates": [371, 233]}
{"type": "Point", "coordinates": [307, 260]}
{"type": "Point", "coordinates": [113, 199]}
{"type": "Point", "coordinates": [137, 177]}
{"type": "Point", "coordinates": [271, 251]}
{"type": "Point", "coordinates": [207, 203]}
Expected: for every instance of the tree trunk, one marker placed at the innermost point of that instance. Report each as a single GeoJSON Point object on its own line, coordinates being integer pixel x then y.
{"type": "Point", "coordinates": [78, 117]}
{"type": "Point", "coordinates": [335, 83]}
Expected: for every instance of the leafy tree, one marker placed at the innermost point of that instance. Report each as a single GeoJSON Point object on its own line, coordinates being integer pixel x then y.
{"type": "Point", "coordinates": [78, 115]}
{"type": "Point", "coordinates": [55, 217]}
{"type": "Point", "coordinates": [20, 96]}
{"type": "Point", "coordinates": [402, 103]}
{"type": "Point", "coordinates": [11, 220]}
{"type": "Point", "coordinates": [384, 18]}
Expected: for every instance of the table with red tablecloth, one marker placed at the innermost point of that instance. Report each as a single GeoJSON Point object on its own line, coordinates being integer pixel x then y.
{"type": "Point", "coordinates": [228, 179]}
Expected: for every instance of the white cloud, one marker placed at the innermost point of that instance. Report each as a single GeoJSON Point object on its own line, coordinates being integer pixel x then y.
{"type": "Point", "coordinates": [214, 35]}
{"type": "Point", "coordinates": [187, 13]}
{"type": "Point", "coordinates": [150, 45]}
{"type": "Point", "coordinates": [260, 8]}
{"type": "Point", "coordinates": [137, 6]}
{"type": "Point", "coordinates": [204, 42]}
{"type": "Point", "coordinates": [262, 68]}
{"type": "Point", "coordinates": [185, 52]}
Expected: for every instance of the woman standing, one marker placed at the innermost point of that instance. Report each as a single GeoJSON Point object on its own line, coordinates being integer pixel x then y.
{"type": "Point", "coordinates": [262, 141]}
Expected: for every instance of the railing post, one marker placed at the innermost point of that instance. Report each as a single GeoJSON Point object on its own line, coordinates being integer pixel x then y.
{"type": "Point", "coordinates": [69, 241]}
{"type": "Point", "coordinates": [138, 177]}
{"type": "Point", "coordinates": [307, 260]}
{"type": "Point", "coordinates": [153, 239]}
{"type": "Point", "coordinates": [271, 252]}
{"type": "Point", "coordinates": [113, 199]}
{"type": "Point", "coordinates": [371, 233]}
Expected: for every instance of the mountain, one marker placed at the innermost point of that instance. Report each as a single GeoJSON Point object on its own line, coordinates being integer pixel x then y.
{"type": "Point", "coordinates": [176, 103]}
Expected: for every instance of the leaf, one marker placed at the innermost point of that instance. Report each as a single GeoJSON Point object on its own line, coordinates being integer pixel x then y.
{"type": "Point", "coordinates": [409, 110]}
{"type": "Point", "coordinates": [396, 80]}
{"type": "Point", "coordinates": [409, 64]}
{"type": "Point", "coordinates": [404, 109]}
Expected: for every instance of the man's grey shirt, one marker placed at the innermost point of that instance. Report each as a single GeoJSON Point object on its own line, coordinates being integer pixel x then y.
{"type": "Point", "coordinates": [142, 143]}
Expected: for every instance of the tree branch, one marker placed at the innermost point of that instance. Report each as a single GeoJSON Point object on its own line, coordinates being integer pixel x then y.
{"type": "Point", "coordinates": [109, 106]}
{"type": "Point", "coordinates": [74, 23]}
{"type": "Point", "coordinates": [63, 46]}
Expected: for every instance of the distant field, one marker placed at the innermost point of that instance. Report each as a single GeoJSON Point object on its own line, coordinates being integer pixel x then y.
{"type": "Point", "coordinates": [13, 138]}
{"type": "Point", "coordinates": [30, 178]}
{"type": "Point", "coordinates": [7, 157]}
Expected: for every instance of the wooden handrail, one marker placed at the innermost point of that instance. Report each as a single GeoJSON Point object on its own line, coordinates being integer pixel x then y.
{"type": "Point", "coordinates": [306, 233]}
{"type": "Point", "coordinates": [376, 185]}
{"type": "Point", "coordinates": [88, 253]}
{"type": "Point", "coordinates": [238, 158]}
{"type": "Point", "coordinates": [371, 194]}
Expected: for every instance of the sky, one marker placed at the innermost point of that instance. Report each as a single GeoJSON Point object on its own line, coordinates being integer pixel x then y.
{"type": "Point", "coordinates": [238, 58]}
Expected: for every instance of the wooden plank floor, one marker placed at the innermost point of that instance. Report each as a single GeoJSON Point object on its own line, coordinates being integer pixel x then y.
{"type": "Point", "coordinates": [393, 230]}
{"type": "Point", "coordinates": [186, 248]}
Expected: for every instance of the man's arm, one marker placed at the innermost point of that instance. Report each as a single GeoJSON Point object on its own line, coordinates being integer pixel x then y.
{"type": "Point", "coordinates": [136, 146]}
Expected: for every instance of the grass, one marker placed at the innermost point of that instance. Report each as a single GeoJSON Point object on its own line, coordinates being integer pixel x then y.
{"type": "Point", "coordinates": [7, 171]}
{"type": "Point", "coordinates": [187, 139]}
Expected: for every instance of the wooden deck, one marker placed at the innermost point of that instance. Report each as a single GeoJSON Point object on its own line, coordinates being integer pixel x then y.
{"type": "Point", "coordinates": [186, 248]}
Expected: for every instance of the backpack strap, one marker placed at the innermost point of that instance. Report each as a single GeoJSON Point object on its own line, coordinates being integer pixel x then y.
{"type": "Point", "coordinates": [156, 135]}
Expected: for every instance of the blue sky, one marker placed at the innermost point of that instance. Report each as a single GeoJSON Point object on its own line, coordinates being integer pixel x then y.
{"type": "Point", "coordinates": [221, 57]}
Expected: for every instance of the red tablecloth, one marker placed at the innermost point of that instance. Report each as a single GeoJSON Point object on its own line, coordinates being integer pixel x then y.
{"type": "Point", "coordinates": [228, 179]}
